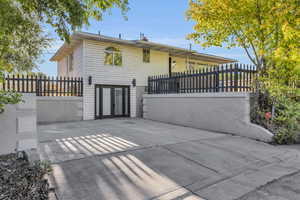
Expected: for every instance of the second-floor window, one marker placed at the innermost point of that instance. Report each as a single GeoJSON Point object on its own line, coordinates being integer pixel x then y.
{"type": "Point", "coordinates": [146, 55]}
{"type": "Point", "coordinates": [113, 56]}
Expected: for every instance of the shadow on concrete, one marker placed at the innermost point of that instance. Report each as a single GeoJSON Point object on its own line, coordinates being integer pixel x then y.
{"type": "Point", "coordinates": [79, 147]}
{"type": "Point", "coordinates": [123, 177]}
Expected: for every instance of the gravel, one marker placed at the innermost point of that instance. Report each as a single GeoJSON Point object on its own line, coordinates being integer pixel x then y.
{"type": "Point", "coordinates": [22, 180]}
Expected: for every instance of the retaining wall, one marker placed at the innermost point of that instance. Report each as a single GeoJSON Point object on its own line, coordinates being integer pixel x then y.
{"type": "Point", "coordinates": [18, 126]}
{"type": "Point", "coordinates": [18, 123]}
{"type": "Point", "coordinates": [59, 109]}
{"type": "Point", "coordinates": [221, 112]}
{"type": "Point", "coordinates": [140, 91]}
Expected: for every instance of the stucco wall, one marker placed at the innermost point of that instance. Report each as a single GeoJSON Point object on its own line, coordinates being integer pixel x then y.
{"type": "Point", "coordinates": [18, 126]}
{"type": "Point", "coordinates": [59, 109]}
{"type": "Point", "coordinates": [221, 112]}
{"type": "Point", "coordinates": [140, 91]}
{"type": "Point", "coordinates": [182, 66]}
{"type": "Point", "coordinates": [8, 131]}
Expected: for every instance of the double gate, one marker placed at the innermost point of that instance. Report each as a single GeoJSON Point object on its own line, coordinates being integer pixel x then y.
{"type": "Point", "coordinates": [112, 101]}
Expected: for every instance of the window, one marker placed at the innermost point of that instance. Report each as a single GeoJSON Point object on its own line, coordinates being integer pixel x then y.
{"type": "Point", "coordinates": [70, 62]}
{"type": "Point", "coordinates": [146, 55]}
{"type": "Point", "coordinates": [113, 56]}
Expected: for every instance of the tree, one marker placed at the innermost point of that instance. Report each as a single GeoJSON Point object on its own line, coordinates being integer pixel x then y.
{"type": "Point", "coordinates": [21, 43]}
{"type": "Point", "coordinates": [269, 32]}
{"type": "Point", "coordinates": [21, 34]}
{"type": "Point", "coordinates": [68, 15]}
{"type": "Point", "coordinates": [22, 38]}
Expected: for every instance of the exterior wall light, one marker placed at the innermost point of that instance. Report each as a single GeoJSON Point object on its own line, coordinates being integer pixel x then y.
{"type": "Point", "coordinates": [90, 80]}
{"type": "Point", "coordinates": [134, 82]}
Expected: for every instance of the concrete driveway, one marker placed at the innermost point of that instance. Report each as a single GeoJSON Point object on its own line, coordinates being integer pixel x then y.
{"type": "Point", "coordinates": [135, 159]}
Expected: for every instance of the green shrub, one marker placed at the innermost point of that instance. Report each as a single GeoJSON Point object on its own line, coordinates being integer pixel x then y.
{"type": "Point", "coordinates": [287, 120]}
{"type": "Point", "coordinates": [284, 122]}
{"type": "Point", "coordinates": [286, 136]}
{"type": "Point", "coordinates": [9, 98]}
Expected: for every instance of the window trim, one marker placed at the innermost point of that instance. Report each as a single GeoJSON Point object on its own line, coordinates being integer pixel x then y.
{"type": "Point", "coordinates": [113, 52]}
{"type": "Point", "coordinates": [146, 50]}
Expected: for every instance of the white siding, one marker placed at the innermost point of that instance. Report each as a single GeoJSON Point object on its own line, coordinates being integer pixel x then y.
{"type": "Point", "coordinates": [62, 68]}
{"type": "Point", "coordinates": [132, 67]}
{"type": "Point", "coordinates": [77, 62]}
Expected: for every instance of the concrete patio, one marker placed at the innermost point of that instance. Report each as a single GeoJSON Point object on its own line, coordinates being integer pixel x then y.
{"type": "Point", "coordinates": [135, 159]}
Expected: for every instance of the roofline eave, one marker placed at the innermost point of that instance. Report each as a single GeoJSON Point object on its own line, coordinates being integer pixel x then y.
{"type": "Point", "coordinates": [78, 36]}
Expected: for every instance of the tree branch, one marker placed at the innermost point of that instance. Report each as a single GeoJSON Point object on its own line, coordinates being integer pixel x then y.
{"type": "Point", "coordinates": [255, 53]}
{"type": "Point", "coordinates": [246, 49]}
{"type": "Point", "coordinates": [249, 56]}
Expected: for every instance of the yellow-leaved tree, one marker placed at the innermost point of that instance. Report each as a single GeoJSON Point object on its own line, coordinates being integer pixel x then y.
{"type": "Point", "coordinates": [269, 32]}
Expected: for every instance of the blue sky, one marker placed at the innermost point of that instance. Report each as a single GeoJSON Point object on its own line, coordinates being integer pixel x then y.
{"type": "Point", "coordinates": [161, 21]}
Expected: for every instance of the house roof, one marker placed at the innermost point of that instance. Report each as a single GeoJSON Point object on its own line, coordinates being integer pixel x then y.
{"type": "Point", "coordinates": [77, 37]}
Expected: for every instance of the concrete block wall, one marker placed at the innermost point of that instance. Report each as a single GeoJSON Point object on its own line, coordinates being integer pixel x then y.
{"type": "Point", "coordinates": [8, 131]}
{"type": "Point", "coordinates": [221, 112]}
{"type": "Point", "coordinates": [18, 126]}
{"type": "Point", "coordinates": [140, 91]}
{"type": "Point", "coordinates": [59, 109]}
{"type": "Point", "coordinates": [26, 123]}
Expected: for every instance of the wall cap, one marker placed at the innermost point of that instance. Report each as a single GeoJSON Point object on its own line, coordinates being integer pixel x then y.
{"type": "Point", "coordinates": [60, 98]}
{"type": "Point", "coordinates": [204, 95]}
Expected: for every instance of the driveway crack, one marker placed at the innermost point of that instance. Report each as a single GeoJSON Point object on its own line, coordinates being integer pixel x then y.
{"type": "Point", "coordinates": [189, 159]}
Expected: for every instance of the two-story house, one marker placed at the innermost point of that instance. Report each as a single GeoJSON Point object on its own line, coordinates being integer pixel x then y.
{"type": "Point", "coordinates": [115, 70]}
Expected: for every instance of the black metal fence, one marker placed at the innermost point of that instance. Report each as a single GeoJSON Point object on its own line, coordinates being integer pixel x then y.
{"type": "Point", "coordinates": [43, 86]}
{"type": "Point", "coordinates": [225, 78]}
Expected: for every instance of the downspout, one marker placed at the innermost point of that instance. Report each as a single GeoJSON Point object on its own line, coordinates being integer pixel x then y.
{"type": "Point", "coordinates": [170, 66]}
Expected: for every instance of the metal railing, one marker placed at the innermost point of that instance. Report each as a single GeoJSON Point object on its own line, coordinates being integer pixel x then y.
{"type": "Point", "coordinates": [43, 85]}
{"type": "Point", "coordinates": [225, 78]}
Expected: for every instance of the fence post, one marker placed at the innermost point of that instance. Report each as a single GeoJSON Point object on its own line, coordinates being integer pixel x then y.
{"type": "Point", "coordinates": [217, 79]}
{"type": "Point", "coordinates": [149, 86]}
{"type": "Point", "coordinates": [177, 83]}
{"type": "Point", "coordinates": [236, 81]}
{"type": "Point", "coordinates": [81, 87]}
{"type": "Point", "coordinates": [37, 86]}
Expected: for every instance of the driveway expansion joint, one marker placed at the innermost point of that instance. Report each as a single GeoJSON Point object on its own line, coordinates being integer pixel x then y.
{"type": "Point", "coordinates": [186, 158]}
{"type": "Point", "coordinates": [268, 183]}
